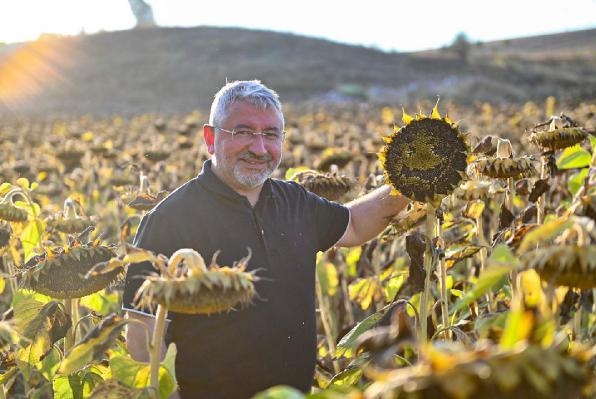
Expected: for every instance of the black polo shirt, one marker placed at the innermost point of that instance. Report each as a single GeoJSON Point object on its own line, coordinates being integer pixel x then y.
{"type": "Point", "coordinates": [272, 341]}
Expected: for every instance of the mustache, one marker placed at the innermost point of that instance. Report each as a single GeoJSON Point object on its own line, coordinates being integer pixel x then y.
{"type": "Point", "coordinates": [251, 156]}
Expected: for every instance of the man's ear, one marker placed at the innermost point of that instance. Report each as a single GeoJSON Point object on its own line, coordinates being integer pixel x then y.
{"type": "Point", "coordinates": [209, 136]}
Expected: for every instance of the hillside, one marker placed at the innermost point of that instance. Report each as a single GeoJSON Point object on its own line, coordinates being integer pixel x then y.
{"type": "Point", "coordinates": [172, 70]}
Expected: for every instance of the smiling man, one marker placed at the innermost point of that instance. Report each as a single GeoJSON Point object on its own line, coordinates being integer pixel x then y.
{"type": "Point", "coordinates": [234, 204]}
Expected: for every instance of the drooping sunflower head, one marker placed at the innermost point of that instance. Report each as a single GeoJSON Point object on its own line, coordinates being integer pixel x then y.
{"type": "Point", "coordinates": [476, 189]}
{"type": "Point", "coordinates": [557, 133]}
{"type": "Point", "coordinates": [564, 265]}
{"type": "Point", "coordinates": [70, 222]}
{"type": "Point", "coordinates": [489, 372]}
{"type": "Point", "coordinates": [329, 185]}
{"type": "Point", "coordinates": [426, 158]}
{"type": "Point", "coordinates": [61, 273]}
{"type": "Point", "coordinates": [12, 213]}
{"type": "Point", "coordinates": [334, 156]}
{"type": "Point", "coordinates": [190, 287]}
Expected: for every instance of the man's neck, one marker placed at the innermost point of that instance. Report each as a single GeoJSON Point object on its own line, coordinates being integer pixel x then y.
{"type": "Point", "coordinates": [251, 194]}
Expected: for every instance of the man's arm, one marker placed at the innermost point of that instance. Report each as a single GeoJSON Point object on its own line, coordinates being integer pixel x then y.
{"type": "Point", "coordinates": [370, 214]}
{"type": "Point", "coordinates": [136, 339]}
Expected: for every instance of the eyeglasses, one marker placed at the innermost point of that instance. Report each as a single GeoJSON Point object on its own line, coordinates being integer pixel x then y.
{"type": "Point", "coordinates": [246, 135]}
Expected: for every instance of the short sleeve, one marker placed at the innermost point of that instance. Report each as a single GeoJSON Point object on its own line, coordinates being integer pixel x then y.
{"type": "Point", "coordinates": [331, 220]}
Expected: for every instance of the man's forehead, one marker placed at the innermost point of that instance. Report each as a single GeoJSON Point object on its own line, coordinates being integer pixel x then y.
{"type": "Point", "coordinates": [245, 112]}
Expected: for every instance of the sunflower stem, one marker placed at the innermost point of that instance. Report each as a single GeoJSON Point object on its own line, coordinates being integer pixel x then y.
{"type": "Point", "coordinates": [69, 340]}
{"type": "Point", "coordinates": [11, 271]}
{"type": "Point", "coordinates": [444, 299]}
{"type": "Point", "coordinates": [483, 255]}
{"type": "Point", "coordinates": [431, 221]}
{"type": "Point", "coordinates": [155, 349]}
{"type": "Point", "coordinates": [325, 320]}
{"type": "Point", "coordinates": [510, 205]}
{"type": "Point", "coordinates": [541, 199]}
{"type": "Point", "coordinates": [346, 294]}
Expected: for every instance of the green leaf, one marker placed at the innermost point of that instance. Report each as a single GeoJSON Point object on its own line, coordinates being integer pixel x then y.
{"type": "Point", "coordinates": [574, 157]}
{"type": "Point", "coordinates": [393, 285]}
{"type": "Point", "coordinates": [548, 230]}
{"type": "Point", "coordinates": [101, 302]}
{"type": "Point", "coordinates": [5, 188]}
{"type": "Point", "coordinates": [137, 374]}
{"type": "Point", "coordinates": [592, 142]}
{"type": "Point", "coordinates": [93, 345]}
{"type": "Point", "coordinates": [349, 376]}
{"type": "Point", "coordinates": [364, 291]}
{"type": "Point", "coordinates": [347, 344]}
{"type": "Point", "coordinates": [501, 262]}
{"type": "Point", "coordinates": [49, 324]}
{"type": "Point", "coordinates": [576, 180]}
{"type": "Point", "coordinates": [76, 385]}
{"type": "Point", "coordinates": [327, 277]}
{"type": "Point", "coordinates": [280, 392]}
{"type": "Point", "coordinates": [30, 237]}
{"type": "Point", "coordinates": [352, 259]}
{"type": "Point", "coordinates": [26, 306]}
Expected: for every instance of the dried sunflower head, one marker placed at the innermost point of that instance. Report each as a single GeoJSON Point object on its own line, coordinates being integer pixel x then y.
{"type": "Point", "coordinates": [334, 156]}
{"type": "Point", "coordinates": [426, 158]}
{"type": "Point", "coordinates": [504, 168]}
{"type": "Point", "coordinates": [70, 222]}
{"type": "Point", "coordinates": [567, 265]}
{"type": "Point", "coordinates": [61, 273]}
{"type": "Point", "coordinates": [557, 133]}
{"type": "Point", "coordinates": [406, 220]}
{"type": "Point", "coordinates": [11, 213]}
{"type": "Point", "coordinates": [188, 286]}
{"type": "Point", "coordinates": [504, 165]}
{"type": "Point", "coordinates": [476, 189]}
{"type": "Point", "coordinates": [327, 185]}
{"type": "Point", "coordinates": [451, 371]}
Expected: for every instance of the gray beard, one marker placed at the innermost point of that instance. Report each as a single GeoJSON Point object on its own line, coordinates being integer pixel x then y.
{"type": "Point", "coordinates": [252, 180]}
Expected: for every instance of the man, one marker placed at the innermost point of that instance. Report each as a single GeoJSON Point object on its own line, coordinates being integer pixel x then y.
{"type": "Point", "coordinates": [234, 204]}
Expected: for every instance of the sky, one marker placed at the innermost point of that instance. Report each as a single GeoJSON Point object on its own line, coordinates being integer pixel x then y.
{"type": "Point", "coordinates": [389, 25]}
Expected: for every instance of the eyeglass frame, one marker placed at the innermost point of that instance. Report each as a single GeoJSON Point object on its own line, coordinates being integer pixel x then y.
{"type": "Point", "coordinates": [254, 134]}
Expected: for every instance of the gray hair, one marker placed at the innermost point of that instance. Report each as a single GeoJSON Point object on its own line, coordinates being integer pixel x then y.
{"type": "Point", "coordinates": [251, 91]}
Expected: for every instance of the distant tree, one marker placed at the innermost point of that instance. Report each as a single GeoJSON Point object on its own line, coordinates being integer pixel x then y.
{"type": "Point", "coordinates": [461, 46]}
{"type": "Point", "coordinates": [143, 13]}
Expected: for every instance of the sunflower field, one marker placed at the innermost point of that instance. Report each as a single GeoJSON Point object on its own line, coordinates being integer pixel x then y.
{"type": "Point", "coordinates": [485, 286]}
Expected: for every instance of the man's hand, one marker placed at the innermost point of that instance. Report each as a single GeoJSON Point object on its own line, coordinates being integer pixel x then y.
{"type": "Point", "coordinates": [137, 340]}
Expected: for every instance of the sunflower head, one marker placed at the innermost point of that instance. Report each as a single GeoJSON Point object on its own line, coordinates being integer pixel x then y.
{"type": "Point", "coordinates": [557, 133]}
{"type": "Point", "coordinates": [328, 185]}
{"type": "Point", "coordinates": [504, 168]}
{"type": "Point", "coordinates": [565, 265]}
{"type": "Point", "coordinates": [11, 213]}
{"type": "Point", "coordinates": [188, 286]}
{"type": "Point", "coordinates": [70, 222]}
{"type": "Point", "coordinates": [453, 371]}
{"type": "Point", "coordinates": [61, 273]}
{"type": "Point", "coordinates": [334, 156]}
{"type": "Point", "coordinates": [471, 190]}
{"type": "Point", "coordinates": [426, 158]}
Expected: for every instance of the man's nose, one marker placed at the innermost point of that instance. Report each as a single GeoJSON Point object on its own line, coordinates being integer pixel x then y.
{"type": "Point", "coordinates": [257, 145]}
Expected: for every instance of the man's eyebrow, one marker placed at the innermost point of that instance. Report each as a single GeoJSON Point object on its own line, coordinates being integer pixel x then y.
{"type": "Point", "coordinates": [244, 126]}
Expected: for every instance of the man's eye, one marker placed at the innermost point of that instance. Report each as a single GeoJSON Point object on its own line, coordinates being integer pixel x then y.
{"type": "Point", "coordinates": [271, 135]}
{"type": "Point", "coordinates": [244, 133]}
